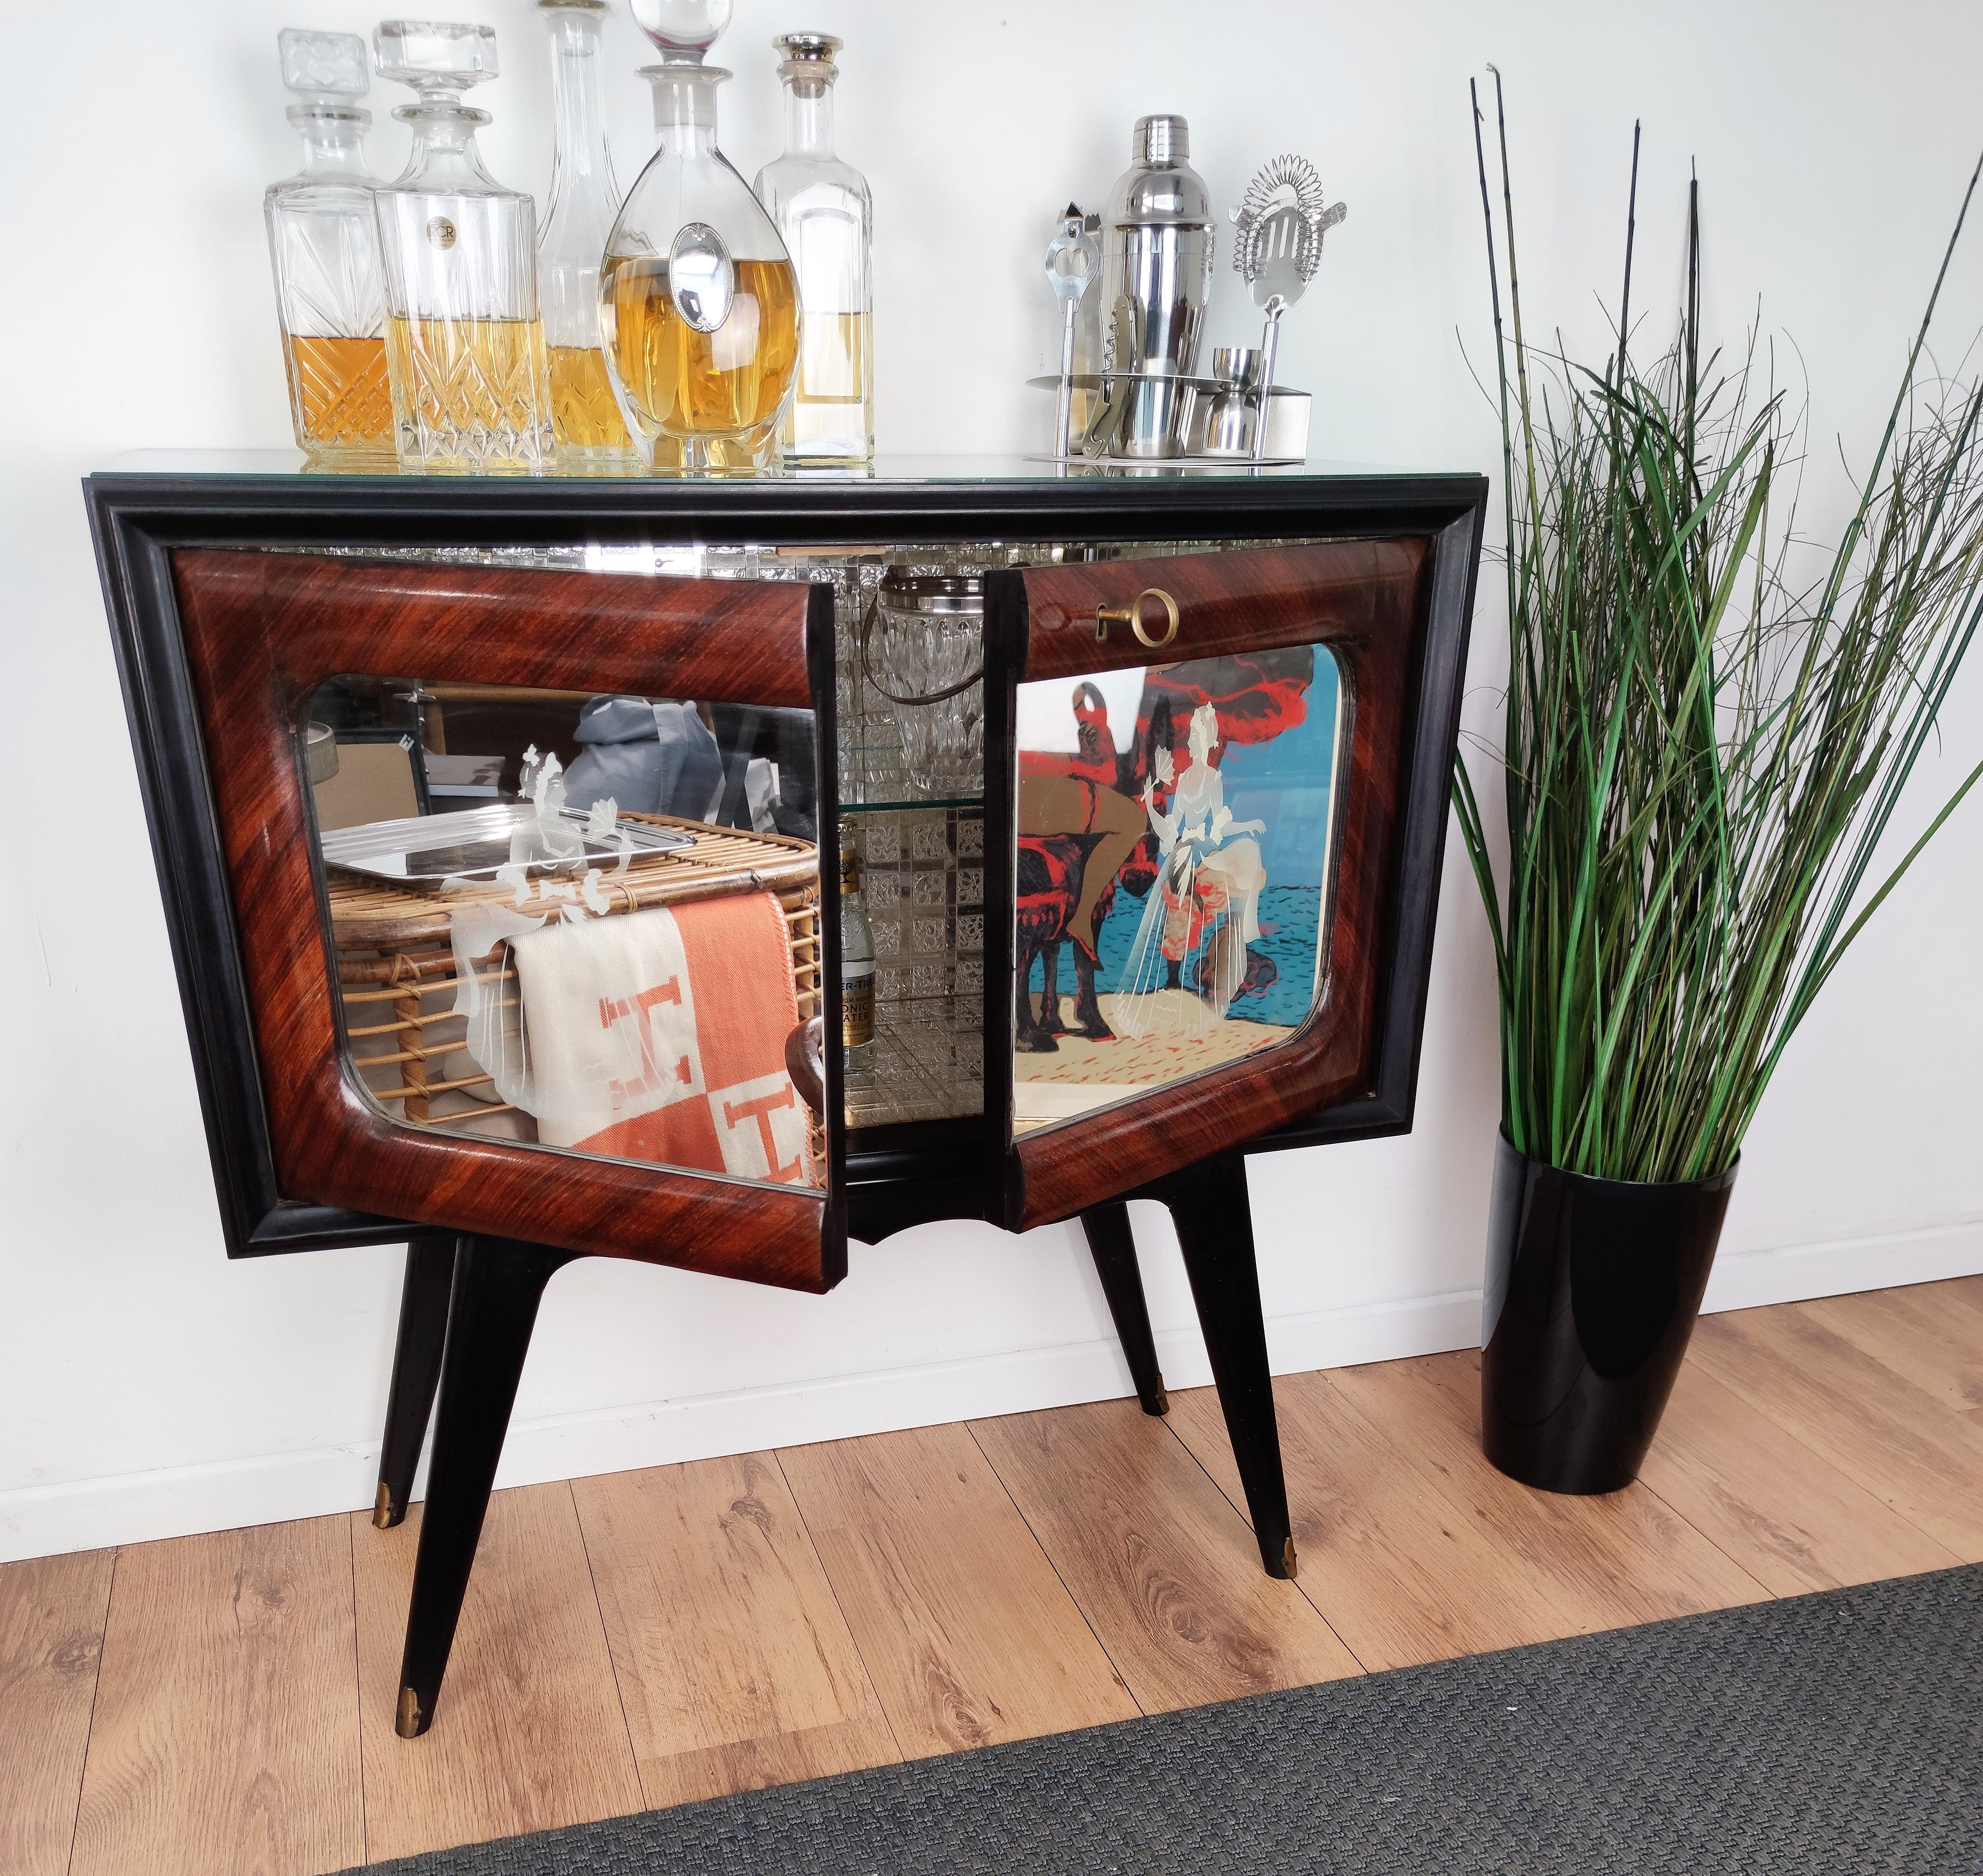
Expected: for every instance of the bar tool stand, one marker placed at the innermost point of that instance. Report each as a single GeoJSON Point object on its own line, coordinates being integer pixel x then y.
{"type": "Point", "coordinates": [1150, 409]}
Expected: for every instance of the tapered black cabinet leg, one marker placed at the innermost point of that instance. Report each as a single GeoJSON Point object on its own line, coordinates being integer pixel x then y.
{"type": "Point", "coordinates": [415, 1373]}
{"type": "Point", "coordinates": [1113, 1245]}
{"type": "Point", "coordinates": [1215, 1227]}
{"type": "Point", "coordinates": [497, 1284]}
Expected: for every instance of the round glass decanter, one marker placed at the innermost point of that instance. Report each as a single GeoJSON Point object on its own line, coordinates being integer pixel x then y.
{"type": "Point", "coordinates": [323, 244]}
{"type": "Point", "coordinates": [585, 416]}
{"type": "Point", "coordinates": [698, 304]}
{"type": "Point", "coordinates": [825, 217]}
{"type": "Point", "coordinates": [465, 345]}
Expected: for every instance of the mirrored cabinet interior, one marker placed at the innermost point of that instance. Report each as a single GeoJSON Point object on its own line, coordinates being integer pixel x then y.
{"type": "Point", "coordinates": [1171, 861]}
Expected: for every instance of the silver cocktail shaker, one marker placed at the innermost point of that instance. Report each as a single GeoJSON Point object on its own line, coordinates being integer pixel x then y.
{"type": "Point", "coordinates": [1156, 277]}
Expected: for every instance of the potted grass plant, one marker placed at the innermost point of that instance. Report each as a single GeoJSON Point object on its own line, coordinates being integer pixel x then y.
{"type": "Point", "coordinates": [1709, 726]}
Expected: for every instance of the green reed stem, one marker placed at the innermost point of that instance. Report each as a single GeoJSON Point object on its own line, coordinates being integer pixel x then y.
{"type": "Point", "coordinates": [1701, 756]}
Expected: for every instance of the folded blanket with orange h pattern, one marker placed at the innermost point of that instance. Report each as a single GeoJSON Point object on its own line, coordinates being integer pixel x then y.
{"type": "Point", "coordinates": [660, 1035]}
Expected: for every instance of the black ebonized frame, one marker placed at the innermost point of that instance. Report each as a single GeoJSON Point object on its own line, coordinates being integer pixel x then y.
{"type": "Point", "coordinates": [138, 519]}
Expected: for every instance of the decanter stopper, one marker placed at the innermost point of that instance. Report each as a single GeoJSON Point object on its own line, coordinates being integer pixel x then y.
{"type": "Point", "coordinates": [438, 58]}
{"type": "Point", "coordinates": [683, 25]}
{"type": "Point", "coordinates": [323, 68]}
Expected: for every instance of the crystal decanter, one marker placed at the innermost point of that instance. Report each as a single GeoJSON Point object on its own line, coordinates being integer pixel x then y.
{"type": "Point", "coordinates": [323, 244]}
{"type": "Point", "coordinates": [825, 217]}
{"type": "Point", "coordinates": [465, 345]}
{"type": "Point", "coordinates": [585, 419]}
{"type": "Point", "coordinates": [699, 308]}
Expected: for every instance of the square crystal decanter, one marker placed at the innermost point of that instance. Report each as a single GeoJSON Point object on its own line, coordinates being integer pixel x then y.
{"type": "Point", "coordinates": [323, 245]}
{"type": "Point", "coordinates": [465, 344]}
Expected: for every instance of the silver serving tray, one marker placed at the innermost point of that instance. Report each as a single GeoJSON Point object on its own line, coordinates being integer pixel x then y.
{"type": "Point", "coordinates": [471, 844]}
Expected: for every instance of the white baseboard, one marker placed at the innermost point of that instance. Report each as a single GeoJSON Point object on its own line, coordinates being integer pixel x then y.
{"type": "Point", "coordinates": [1837, 1267]}
{"type": "Point", "coordinates": [178, 1501]}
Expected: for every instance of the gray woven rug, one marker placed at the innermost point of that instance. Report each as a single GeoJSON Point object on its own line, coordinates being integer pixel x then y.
{"type": "Point", "coordinates": [1828, 1734]}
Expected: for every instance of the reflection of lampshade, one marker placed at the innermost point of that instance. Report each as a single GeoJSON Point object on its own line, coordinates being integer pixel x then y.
{"type": "Point", "coordinates": [682, 25]}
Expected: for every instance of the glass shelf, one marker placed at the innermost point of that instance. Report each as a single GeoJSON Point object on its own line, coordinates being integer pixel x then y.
{"type": "Point", "coordinates": [923, 875]}
{"type": "Point", "coordinates": [971, 803]}
{"type": "Point", "coordinates": [290, 463]}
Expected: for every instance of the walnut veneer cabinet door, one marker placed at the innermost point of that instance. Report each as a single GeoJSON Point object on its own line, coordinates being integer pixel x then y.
{"type": "Point", "coordinates": [523, 869]}
{"type": "Point", "coordinates": [1206, 765]}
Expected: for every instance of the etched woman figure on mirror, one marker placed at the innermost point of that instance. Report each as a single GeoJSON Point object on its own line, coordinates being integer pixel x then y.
{"type": "Point", "coordinates": [1211, 873]}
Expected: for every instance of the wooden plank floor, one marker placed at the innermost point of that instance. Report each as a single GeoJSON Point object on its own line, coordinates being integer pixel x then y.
{"type": "Point", "coordinates": [225, 1702]}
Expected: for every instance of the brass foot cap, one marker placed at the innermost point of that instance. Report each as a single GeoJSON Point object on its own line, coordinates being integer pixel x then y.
{"type": "Point", "coordinates": [1288, 1558]}
{"type": "Point", "coordinates": [382, 1515]}
{"type": "Point", "coordinates": [1159, 1403]}
{"type": "Point", "coordinates": [407, 1725]}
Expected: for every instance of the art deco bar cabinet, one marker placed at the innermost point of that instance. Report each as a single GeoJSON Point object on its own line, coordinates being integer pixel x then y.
{"type": "Point", "coordinates": [489, 815]}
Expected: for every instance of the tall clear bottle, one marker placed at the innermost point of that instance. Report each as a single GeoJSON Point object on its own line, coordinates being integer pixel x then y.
{"type": "Point", "coordinates": [698, 307]}
{"type": "Point", "coordinates": [464, 343]}
{"type": "Point", "coordinates": [825, 217]}
{"type": "Point", "coordinates": [323, 244]}
{"type": "Point", "coordinates": [586, 422]}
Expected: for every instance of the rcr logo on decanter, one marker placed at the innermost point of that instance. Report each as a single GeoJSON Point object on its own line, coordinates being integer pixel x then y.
{"type": "Point", "coordinates": [441, 232]}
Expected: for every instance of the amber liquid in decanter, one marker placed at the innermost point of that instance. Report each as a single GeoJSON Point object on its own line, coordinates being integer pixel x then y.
{"type": "Point", "coordinates": [344, 395]}
{"type": "Point", "coordinates": [694, 382]}
{"type": "Point", "coordinates": [476, 384]}
{"type": "Point", "coordinates": [834, 358]}
{"type": "Point", "coordinates": [584, 414]}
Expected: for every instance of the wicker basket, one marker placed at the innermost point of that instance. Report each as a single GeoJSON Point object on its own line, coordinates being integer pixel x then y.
{"type": "Point", "coordinates": [395, 966]}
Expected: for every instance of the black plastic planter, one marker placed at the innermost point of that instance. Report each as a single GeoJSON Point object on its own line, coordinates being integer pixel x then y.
{"type": "Point", "coordinates": [1592, 1287]}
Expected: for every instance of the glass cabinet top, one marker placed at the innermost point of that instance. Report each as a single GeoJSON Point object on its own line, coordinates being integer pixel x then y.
{"type": "Point", "coordinates": [289, 463]}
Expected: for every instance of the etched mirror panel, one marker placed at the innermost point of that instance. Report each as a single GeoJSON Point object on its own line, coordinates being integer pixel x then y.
{"type": "Point", "coordinates": [589, 923]}
{"type": "Point", "coordinates": [1174, 871]}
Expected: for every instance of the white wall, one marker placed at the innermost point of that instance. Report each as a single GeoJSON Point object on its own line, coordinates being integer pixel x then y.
{"type": "Point", "coordinates": [148, 1387]}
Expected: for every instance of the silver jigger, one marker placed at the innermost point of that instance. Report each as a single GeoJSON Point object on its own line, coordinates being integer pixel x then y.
{"type": "Point", "coordinates": [1232, 412]}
